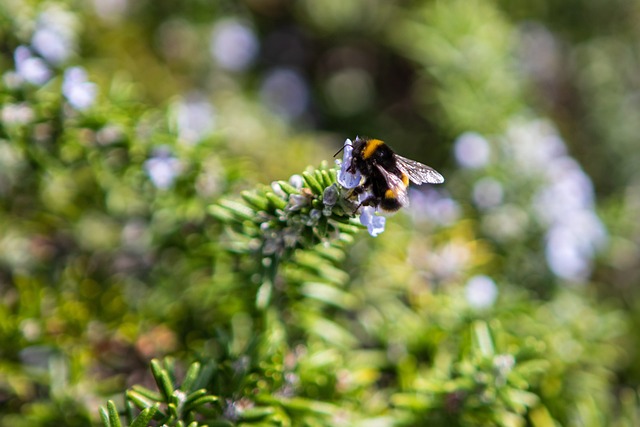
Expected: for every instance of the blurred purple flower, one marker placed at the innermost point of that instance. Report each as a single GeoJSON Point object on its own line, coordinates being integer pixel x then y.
{"type": "Point", "coordinates": [51, 45]}
{"type": "Point", "coordinates": [195, 118]}
{"type": "Point", "coordinates": [433, 206]}
{"type": "Point", "coordinates": [569, 189]}
{"type": "Point", "coordinates": [481, 292]}
{"type": "Point", "coordinates": [55, 35]}
{"type": "Point", "coordinates": [472, 150]}
{"type": "Point", "coordinates": [534, 145]}
{"type": "Point", "coordinates": [80, 92]}
{"type": "Point", "coordinates": [487, 193]}
{"type": "Point", "coordinates": [564, 257]}
{"type": "Point", "coordinates": [572, 244]}
{"type": "Point", "coordinates": [31, 68]}
{"type": "Point", "coordinates": [234, 45]}
{"type": "Point", "coordinates": [285, 92]}
{"type": "Point", "coordinates": [565, 201]}
{"type": "Point", "coordinates": [162, 168]}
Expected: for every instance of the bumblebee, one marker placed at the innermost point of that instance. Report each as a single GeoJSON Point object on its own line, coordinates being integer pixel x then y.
{"type": "Point", "coordinates": [384, 174]}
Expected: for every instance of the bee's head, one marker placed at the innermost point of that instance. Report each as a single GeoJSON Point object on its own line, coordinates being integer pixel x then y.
{"type": "Point", "coordinates": [357, 144]}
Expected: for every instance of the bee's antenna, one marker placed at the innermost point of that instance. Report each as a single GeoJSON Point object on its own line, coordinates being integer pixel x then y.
{"type": "Point", "coordinates": [340, 150]}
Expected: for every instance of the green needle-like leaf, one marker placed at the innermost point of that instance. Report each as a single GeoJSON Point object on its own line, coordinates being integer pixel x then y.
{"type": "Point", "coordinates": [190, 377]}
{"type": "Point", "coordinates": [143, 419]}
{"type": "Point", "coordinates": [196, 403]}
{"type": "Point", "coordinates": [114, 417]}
{"type": "Point", "coordinates": [312, 183]}
{"type": "Point", "coordinates": [104, 416]}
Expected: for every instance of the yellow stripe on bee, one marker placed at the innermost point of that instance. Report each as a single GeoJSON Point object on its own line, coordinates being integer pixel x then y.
{"type": "Point", "coordinates": [405, 179]}
{"type": "Point", "coordinates": [371, 147]}
{"type": "Point", "coordinates": [389, 194]}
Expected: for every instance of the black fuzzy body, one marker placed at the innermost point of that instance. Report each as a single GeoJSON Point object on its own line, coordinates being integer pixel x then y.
{"type": "Point", "coordinates": [368, 157]}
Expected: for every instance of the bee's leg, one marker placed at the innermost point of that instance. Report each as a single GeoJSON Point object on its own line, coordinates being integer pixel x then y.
{"type": "Point", "coordinates": [369, 201]}
{"type": "Point", "coordinates": [356, 191]}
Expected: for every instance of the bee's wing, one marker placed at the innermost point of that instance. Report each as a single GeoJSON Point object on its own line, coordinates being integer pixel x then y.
{"type": "Point", "coordinates": [396, 185]}
{"type": "Point", "coordinates": [417, 172]}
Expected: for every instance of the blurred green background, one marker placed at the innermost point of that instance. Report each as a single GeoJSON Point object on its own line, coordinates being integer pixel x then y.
{"type": "Point", "coordinates": [504, 297]}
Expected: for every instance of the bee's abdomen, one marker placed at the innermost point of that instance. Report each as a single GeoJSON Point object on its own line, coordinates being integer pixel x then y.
{"type": "Point", "coordinates": [390, 204]}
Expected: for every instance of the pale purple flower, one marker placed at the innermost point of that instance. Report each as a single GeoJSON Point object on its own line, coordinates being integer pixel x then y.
{"type": "Point", "coordinates": [472, 150]}
{"type": "Point", "coordinates": [51, 45]}
{"type": "Point", "coordinates": [481, 292]}
{"type": "Point", "coordinates": [534, 145]}
{"type": "Point", "coordinates": [277, 189]}
{"type": "Point", "coordinates": [80, 92]}
{"type": "Point", "coordinates": [572, 244]}
{"type": "Point", "coordinates": [434, 206]}
{"type": "Point", "coordinates": [569, 190]}
{"type": "Point", "coordinates": [162, 168]}
{"type": "Point", "coordinates": [564, 203]}
{"type": "Point", "coordinates": [31, 68]}
{"type": "Point", "coordinates": [195, 118]}
{"type": "Point", "coordinates": [374, 223]}
{"type": "Point", "coordinates": [564, 256]}
{"type": "Point", "coordinates": [345, 178]}
{"type": "Point", "coordinates": [329, 199]}
{"type": "Point", "coordinates": [296, 202]}
{"type": "Point", "coordinates": [234, 45]}
{"type": "Point", "coordinates": [330, 195]}
{"type": "Point", "coordinates": [487, 193]}
{"type": "Point", "coordinates": [296, 180]}
{"type": "Point", "coordinates": [285, 92]}
{"type": "Point", "coordinates": [55, 35]}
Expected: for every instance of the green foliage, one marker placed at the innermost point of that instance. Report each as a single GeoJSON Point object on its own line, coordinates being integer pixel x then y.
{"type": "Point", "coordinates": [144, 263]}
